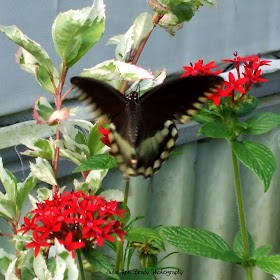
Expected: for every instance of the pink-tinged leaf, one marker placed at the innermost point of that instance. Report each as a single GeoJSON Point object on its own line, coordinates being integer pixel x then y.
{"type": "Point", "coordinates": [59, 115]}
{"type": "Point", "coordinates": [43, 112]}
{"type": "Point", "coordinates": [168, 22]}
{"type": "Point", "coordinates": [159, 8]}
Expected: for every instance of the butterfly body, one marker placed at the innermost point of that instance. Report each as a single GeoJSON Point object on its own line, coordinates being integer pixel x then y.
{"type": "Point", "coordinates": [142, 130]}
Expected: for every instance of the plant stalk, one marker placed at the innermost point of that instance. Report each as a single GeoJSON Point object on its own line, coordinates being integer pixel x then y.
{"type": "Point", "coordinates": [81, 268]}
{"type": "Point", "coordinates": [119, 243]}
{"type": "Point", "coordinates": [241, 211]}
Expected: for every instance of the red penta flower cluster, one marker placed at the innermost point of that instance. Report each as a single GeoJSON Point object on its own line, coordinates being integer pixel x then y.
{"type": "Point", "coordinates": [76, 220]}
{"type": "Point", "coordinates": [243, 82]}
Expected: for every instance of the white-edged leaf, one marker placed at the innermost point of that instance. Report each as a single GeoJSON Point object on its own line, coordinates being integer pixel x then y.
{"type": "Point", "coordinates": [95, 178]}
{"type": "Point", "coordinates": [43, 171]}
{"type": "Point", "coordinates": [7, 207]}
{"type": "Point", "coordinates": [65, 264]}
{"type": "Point", "coordinates": [24, 189]}
{"type": "Point", "coordinates": [76, 31]}
{"type": "Point", "coordinates": [120, 70]}
{"type": "Point", "coordinates": [145, 85]}
{"type": "Point", "coordinates": [40, 268]}
{"type": "Point", "coordinates": [210, 3]}
{"type": "Point", "coordinates": [143, 24]}
{"type": "Point", "coordinates": [9, 181]}
{"type": "Point", "coordinates": [113, 195]}
{"type": "Point", "coordinates": [14, 34]}
{"type": "Point", "coordinates": [81, 123]}
{"type": "Point", "coordinates": [114, 40]}
{"type": "Point", "coordinates": [125, 45]}
{"type": "Point", "coordinates": [26, 61]}
{"type": "Point", "coordinates": [10, 273]}
{"type": "Point", "coordinates": [39, 148]}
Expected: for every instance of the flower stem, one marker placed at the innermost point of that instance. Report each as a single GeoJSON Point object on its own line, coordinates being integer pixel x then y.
{"type": "Point", "coordinates": [119, 243]}
{"type": "Point", "coordinates": [81, 268]}
{"type": "Point", "coordinates": [241, 212]}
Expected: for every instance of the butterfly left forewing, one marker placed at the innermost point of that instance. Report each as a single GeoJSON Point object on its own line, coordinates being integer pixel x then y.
{"type": "Point", "coordinates": [101, 99]}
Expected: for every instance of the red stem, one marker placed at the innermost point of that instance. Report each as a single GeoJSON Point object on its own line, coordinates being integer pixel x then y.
{"type": "Point", "coordinates": [156, 19]}
{"type": "Point", "coordinates": [58, 102]}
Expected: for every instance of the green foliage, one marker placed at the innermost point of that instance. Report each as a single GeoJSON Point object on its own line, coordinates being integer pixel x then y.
{"type": "Point", "coordinates": [270, 264]}
{"type": "Point", "coordinates": [238, 246]}
{"type": "Point", "coordinates": [99, 262]}
{"type": "Point", "coordinates": [216, 130]}
{"type": "Point", "coordinates": [146, 235]}
{"type": "Point", "coordinates": [199, 242]}
{"type": "Point", "coordinates": [258, 158]}
{"type": "Point", "coordinates": [101, 161]}
{"type": "Point", "coordinates": [261, 123]}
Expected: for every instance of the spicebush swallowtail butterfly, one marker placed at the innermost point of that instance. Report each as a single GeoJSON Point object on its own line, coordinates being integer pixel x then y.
{"type": "Point", "coordinates": [143, 130]}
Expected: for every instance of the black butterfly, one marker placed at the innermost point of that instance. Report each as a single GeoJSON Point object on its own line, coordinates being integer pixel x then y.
{"type": "Point", "coordinates": [143, 131]}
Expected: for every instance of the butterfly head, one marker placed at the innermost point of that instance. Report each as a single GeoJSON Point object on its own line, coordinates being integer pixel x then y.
{"type": "Point", "coordinates": [132, 98]}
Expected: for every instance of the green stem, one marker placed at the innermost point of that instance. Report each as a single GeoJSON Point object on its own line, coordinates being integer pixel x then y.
{"type": "Point", "coordinates": [119, 243]}
{"type": "Point", "coordinates": [81, 268]}
{"type": "Point", "coordinates": [241, 211]}
{"type": "Point", "coordinates": [249, 273]}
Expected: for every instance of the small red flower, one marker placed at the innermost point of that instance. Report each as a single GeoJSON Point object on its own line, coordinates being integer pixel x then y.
{"type": "Point", "coordinates": [105, 140]}
{"type": "Point", "coordinates": [71, 245]}
{"type": "Point", "coordinates": [232, 84]}
{"type": "Point", "coordinates": [199, 69]}
{"type": "Point", "coordinates": [216, 96]}
{"type": "Point", "coordinates": [38, 242]}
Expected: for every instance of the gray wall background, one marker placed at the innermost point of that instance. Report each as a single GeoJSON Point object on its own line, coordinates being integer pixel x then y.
{"type": "Point", "coordinates": [195, 189]}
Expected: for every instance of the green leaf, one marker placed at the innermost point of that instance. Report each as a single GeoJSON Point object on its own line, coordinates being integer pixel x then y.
{"type": "Point", "coordinates": [27, 273]}
{"type": "Point", "coordinates": [42, 110]}
{"type": "Point", "coordinates": [7, 207]}
{"type": "Point", "coordinates": [43, 171]}
{"type": "Point", "coordinates": [258, 158]}
{"type": "Point", "coordinates": [184, 11]}
{"type": "Point", "coordinates": [270, 264]}
{"type": "Point", "coordinates": [39, 148]}
{"type": "Point", "coordinates": [215, 130]}
{"type": "Point", "coordinates": [101, 161]}
{"type": "Point", "coordinates": [99, 261]}
{"type": "Point", "coordinates": [262, 252]}
{"type": "Point", "coordinates": [144, 235]}
{"type": "Point", "coordinates": [247, 106]}
{"type": "Point", "coordinates": [14, 34]}
{"type": "Point", "coordinates": [44, 79]}
{"type": "Point", "coordinates": [76, 31]}
{"type": "Point", "coordinates": [9, 181]}
{"type": "Point", "coordinates": [199, 242]}
{"type": "Point", "coordinates": [93, 142]}
{"type": "Point", "coordinates": [261, 123]}
{"type": "Point", "coordinates": [238, 245]}
{"type": "Point", "coordinates": [24, 189]}
{"type": "Point", "coordinates": [205, 116]}
{"type": "Point", "coordinates": [142, 25]}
